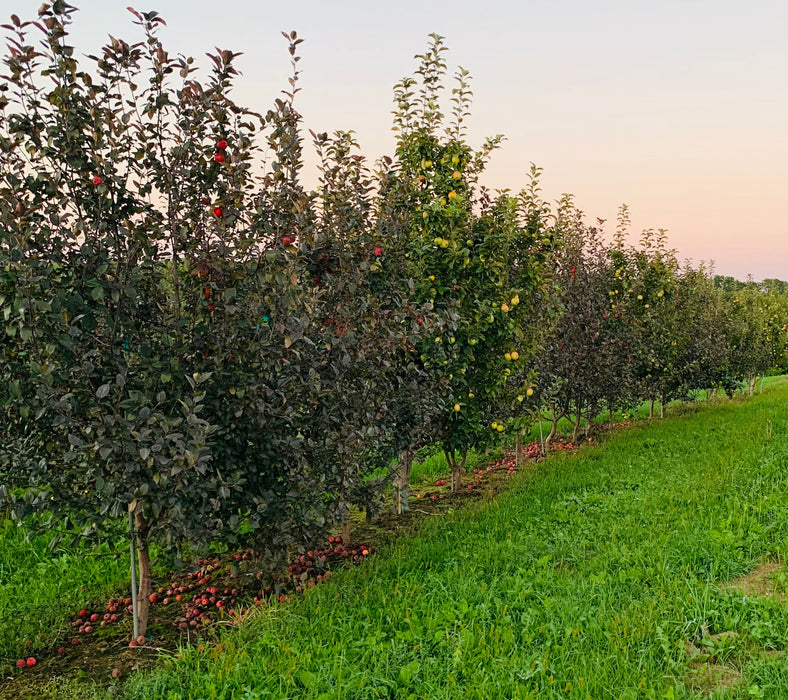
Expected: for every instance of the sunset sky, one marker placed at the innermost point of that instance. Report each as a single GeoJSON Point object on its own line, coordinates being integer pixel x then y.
{"type": "Point", "coordinates": [678, 108]}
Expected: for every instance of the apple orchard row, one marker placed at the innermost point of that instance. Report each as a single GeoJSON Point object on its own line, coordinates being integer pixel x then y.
{"type": "Point", "coordinates": [200, 343]}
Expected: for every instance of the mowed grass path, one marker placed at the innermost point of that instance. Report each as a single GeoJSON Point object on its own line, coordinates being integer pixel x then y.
{"type": "Point", "coordinates": [584, 581]}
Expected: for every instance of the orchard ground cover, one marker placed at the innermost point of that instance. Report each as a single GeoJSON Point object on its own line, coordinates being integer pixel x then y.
{"type": "Point", "coordinates": [614, 572]}
{"type": "Point", "coordinates": [38, 587]}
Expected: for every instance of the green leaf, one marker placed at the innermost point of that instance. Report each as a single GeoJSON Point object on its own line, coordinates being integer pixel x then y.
{"type": "Point", "coordinates": [407, 672]}
{"type": "Point", "coordinates": [307, 678]}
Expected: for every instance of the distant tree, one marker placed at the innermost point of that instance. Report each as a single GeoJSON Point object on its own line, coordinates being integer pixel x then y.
{"type": "Point", "coordinates": [750, 353]}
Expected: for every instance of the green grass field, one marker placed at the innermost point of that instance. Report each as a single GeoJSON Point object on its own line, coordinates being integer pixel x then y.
{"type": "Point", "coordinates": [589, 579]}
{"type": "Point", "coordinates": [600, 574]}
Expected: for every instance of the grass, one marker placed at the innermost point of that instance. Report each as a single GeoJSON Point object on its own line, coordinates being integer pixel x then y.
{"type": "Point", "coordinates": [39, 588]}
{"type": "Point", "coordinates": [587, 580]}
{"type": "Point", "coordinates": [431, 463]}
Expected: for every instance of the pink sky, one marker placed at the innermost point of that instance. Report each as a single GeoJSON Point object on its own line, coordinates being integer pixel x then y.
{"type": "Point", "coordinates": [677, 108]}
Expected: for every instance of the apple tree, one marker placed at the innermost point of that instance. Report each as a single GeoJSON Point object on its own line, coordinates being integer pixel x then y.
{"type": "Point", "coordinates": [700, 338]}
{"type": "Point", "coordinates": [749, 330]}
{"type": "Point", "coordinates": [583, 363]}
{"type": "Point", "coordinates": [101, 408]}
{"type": "Point", "coordinates": [187, 340]}
{"type": "Point", "coordinates": [475, 258]}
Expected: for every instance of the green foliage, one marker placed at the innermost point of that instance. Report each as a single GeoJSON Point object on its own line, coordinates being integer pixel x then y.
{"type": "Point", "coordinates": [637, 326]}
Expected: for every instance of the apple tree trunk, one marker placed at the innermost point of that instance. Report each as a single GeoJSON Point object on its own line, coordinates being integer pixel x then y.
{"type": "Point", "coordinates": [346, 532]}
{"type": "Point", "coordinates": [144, 571]}
{"type": "Point", "coordinates": [555, 417]}
{"type": "Point", "coordinates": [402, 481]}
{"type": "Point", "coordinates": [457, 466]}
{"type": "Point", "coordinates": [576, 429]}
